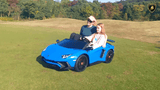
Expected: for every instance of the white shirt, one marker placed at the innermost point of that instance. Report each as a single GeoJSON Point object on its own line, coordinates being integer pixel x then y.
{"type": "Point", "coordinates": [98, 41]}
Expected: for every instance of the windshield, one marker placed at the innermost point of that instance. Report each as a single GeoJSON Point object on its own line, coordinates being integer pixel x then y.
{"type": "Point", "coordinates": [69, 43]}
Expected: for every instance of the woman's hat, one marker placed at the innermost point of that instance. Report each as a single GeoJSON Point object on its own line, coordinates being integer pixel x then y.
{"type": "Point", "coordinates": [92, 18]}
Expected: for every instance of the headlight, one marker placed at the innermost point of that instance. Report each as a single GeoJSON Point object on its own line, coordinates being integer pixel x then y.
{"type": "Point", "coordinates": [65, 56]}
{"type": "Point", "coordinates": [73, 57]}
{"type": "Point", "coordinates": [44, 49]}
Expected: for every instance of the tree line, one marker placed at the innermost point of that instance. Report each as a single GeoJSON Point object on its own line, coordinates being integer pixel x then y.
{"type": "Point", "coordinates": [81, 9]}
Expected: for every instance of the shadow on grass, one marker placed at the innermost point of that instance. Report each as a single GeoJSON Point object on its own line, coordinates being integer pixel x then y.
{"type": "Point", "coordinates": [95, 63]}
{"type": "Point", "coordinates": [154, 36]}
{"type": "Point", "coordinates": [158, 47]}
{"type": "Point", "coordinates": [151, 36]}
{"type": "Point", "coordinates": [38, 59]}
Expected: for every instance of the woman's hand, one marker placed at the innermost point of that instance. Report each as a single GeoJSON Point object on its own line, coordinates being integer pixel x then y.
{"type": "Point", "coordinates": [80, 38]}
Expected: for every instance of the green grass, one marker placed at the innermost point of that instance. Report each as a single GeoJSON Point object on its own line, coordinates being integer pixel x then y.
{"type": "Point", "coordinates": [135, 66]}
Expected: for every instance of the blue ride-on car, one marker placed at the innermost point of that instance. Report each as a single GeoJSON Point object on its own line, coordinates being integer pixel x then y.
{"type": "Point", "coordinates": [75, 54]}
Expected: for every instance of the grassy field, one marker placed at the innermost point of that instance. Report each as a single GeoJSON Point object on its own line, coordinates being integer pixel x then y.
{"type": "Point", "coordinates": [135, 66]}
{"type": "Point", "coordinates": [147, 31]}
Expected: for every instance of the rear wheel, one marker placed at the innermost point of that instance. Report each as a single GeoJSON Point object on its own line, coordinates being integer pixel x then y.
{"type": "Point", "coordinates": [109, 56]}
{"type": "Point", "coordinates": [81, 63]}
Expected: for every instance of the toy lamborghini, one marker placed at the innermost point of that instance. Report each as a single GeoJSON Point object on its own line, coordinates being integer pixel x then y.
{"type": "Point", "coordinates": [75, 54]}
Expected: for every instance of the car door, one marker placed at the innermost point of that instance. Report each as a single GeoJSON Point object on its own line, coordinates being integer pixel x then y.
{"type": "Point", "coordinates": [94, 55]}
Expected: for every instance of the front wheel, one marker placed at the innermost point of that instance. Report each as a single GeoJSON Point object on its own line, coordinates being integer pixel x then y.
{"type": "Point", "coordinates": [109, 56]}
{"type": "Point", "coordinates": [81, 63]}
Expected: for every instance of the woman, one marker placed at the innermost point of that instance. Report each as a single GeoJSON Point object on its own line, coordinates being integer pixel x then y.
{"type": "Point", "coordinates": [89, 29]}
{"type": "Point", "coordinates": [86, 30]}
{"type": "Point", "coordinates": [98, 39]}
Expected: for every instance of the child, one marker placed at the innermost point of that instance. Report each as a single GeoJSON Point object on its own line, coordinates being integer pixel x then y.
{"type": "Point", "coordinates": [98, 39]}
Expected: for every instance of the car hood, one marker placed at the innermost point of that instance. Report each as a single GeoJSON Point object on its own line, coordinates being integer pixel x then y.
{"type": "Point", "coordinates": [55, 52]}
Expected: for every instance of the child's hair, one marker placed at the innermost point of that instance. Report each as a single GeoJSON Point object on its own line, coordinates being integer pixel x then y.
{"type": "Point", "coordinates": [102, 26]}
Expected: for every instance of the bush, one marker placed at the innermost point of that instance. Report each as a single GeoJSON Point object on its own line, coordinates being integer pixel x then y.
{"type": "Point", "coordinates": [117, 17]}
{"type": "Point", "coordinates": [53, 16]}
{"type": "Point", "coordinates": [39, 15]}
{"type": "Point", "coordinates": [6, 18]}
{"type": "Point", "coordinates": [44, 18]}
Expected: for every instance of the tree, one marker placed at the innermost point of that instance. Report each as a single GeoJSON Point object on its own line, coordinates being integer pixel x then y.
{"type": "Point", "coordinates": [64, 1]}
{"type": "Point", "coordinates": [74, 12]}
{"type": "Point", "coordinates": [115, 10]}
{"type": "Point", "coordinates": [81, 10]}
{"type": "Point", "coordinates": [9, 10]}
{"type": "Point", "coordinates": [101, 15]}
{"type": "Point", "coordinates": [29, 9]}
{"type": "Point", "coordinates": [96, 8]}
{"type": "Point", "coordinates": [3, 7]}
{"type": "Point", "coordinates": [156, 14]}
{"type": "Point", "coordinates": [120, 6]}
{"type": "Point", "coordinates": [17, 12]}
{"type": "Point", "coordinates": [40, 11]}
{"type": "Point", "coordinates": [47, 9]}
{"type": "Point", "coordinates": [117, 17]}
{"type": "Point", "coordinates": [138, 11]}
{"type": "Point", "coordinates": [125, 16]}
{"type": "Point", "coordinates": [14, 9]}
{"type": "Point", "coordinates": [108, 7]}
{"type": "Point", "coordinates": [86, 11]}
{"type": "Point", "coordinates": [56, 8]}
{"type": "Point", "coordinates": [127, 12]}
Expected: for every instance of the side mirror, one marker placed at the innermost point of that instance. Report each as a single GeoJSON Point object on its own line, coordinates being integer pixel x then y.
{"type": "Point", "coordinates": [110, 40]}
{"type": "Point", "coordinates": [57, 41]}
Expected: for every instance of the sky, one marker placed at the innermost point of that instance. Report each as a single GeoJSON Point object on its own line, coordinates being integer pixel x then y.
{"type": "Point", "coordinates": [102, 1]}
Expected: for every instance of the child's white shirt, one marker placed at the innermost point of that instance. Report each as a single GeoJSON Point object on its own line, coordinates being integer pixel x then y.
{"type": "Point", "coordinates": [98, 41]}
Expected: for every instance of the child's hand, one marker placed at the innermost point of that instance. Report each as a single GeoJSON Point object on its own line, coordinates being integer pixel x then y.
{"type": "Point", "coordinates": [91, 44]}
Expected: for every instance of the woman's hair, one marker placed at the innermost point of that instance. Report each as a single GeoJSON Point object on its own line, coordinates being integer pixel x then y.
{"type": "Point", "coordinates": [102, 26]}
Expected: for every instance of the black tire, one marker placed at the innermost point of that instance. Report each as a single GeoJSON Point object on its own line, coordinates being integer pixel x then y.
{"type": "Point", "coordinates": [109, 56]}
{"type": "Point", "coordinates": [81, 63]}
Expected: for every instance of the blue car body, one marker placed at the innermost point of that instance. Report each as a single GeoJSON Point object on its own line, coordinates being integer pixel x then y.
{"type": "Point", "coordinates": [65, 53]}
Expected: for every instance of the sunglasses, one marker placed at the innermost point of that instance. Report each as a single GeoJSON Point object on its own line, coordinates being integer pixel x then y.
{"type": "Point", "coordinates": [90, 21]}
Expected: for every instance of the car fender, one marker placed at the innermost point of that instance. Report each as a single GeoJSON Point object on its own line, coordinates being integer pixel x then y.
{"type": "Point", "coordinates": [73, 58]}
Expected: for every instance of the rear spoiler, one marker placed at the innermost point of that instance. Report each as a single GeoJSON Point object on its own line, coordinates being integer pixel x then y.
{"type": "Point", "coordinates": [110, 40]}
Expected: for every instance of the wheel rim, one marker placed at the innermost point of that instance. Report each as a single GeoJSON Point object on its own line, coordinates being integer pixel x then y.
{"type": "Point", "coordinates": [82, 63]}
{"type": "Point", "coordinates": [109, 56]}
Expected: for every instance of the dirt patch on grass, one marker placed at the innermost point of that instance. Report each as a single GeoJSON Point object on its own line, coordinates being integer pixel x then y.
{"type": "Point", "coordinates": [147, 31]}
{"type": "Point", "coordinates": [128, 72]}
{"type": "Point", "coordinates": [109, 76]}
{"type": "Point", "coordinates": [152, 52]}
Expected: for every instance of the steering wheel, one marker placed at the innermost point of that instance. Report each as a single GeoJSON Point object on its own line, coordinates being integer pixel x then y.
{"type": "Point", "coordinates": [87, 44]}
{"type": "Point", "coordinates": [86, 40]}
